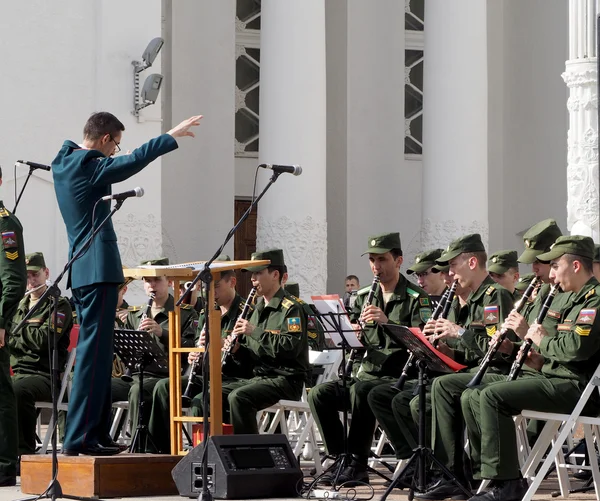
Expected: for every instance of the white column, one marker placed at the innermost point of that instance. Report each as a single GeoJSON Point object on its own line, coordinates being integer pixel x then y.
{"type": "Point", "coordinates": [455, 125]}
{"type": "Point", "coordinates": [292, 215]}
{"type": "Point", "coordinates": [581, 77]}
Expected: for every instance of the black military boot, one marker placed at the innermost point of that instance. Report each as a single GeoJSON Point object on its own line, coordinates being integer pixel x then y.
{"type": "Point", "coordinates": [506, 490]}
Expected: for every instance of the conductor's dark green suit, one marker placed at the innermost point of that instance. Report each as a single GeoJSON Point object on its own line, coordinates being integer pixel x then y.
{"type": "Point", "coordinates": [81, 178]}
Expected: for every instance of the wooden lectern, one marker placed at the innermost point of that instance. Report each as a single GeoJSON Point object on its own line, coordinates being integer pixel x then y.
{"type": "Point", "coordinates": [185, 272]}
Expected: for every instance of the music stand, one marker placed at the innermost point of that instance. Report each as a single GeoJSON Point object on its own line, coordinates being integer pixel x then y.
{"type": "Point", "coordinates": [140, 350]}
{"type": "Point", "coordinates": [428, 358]}
{"type": "Point", "coordinates": [336, 325]}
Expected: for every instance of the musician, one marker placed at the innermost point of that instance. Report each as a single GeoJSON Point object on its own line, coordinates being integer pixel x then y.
{"type": "Point", "coordinates": [446, 391]}
{"type": "Point", "coordinates": [13, 280]}
{"type": "Point", "coordinates": [82, 175]}
{"type": "Point", "coordinates": [566, 362]}
{"type": "Point", "coordinates": [122, 306]}
{"type": "Point", "coordinates": [157, 325]}
{"type": "Point", "coordinates": [230, 304]}
{"type": "Point", "coordinates": [29, 355]}
{"type": "Point", "coordinates": [503, 267]}
{"type": "Point", "coordinates": [314, 328]}
{"type": "Point", "coordinates": [432, 283]}
{"type": "Point", "coordinates": [274, 340]}
{"type": "Point", "coordinates": [476, 312]}
{"type": "Point", "coordinates": [397, 301]}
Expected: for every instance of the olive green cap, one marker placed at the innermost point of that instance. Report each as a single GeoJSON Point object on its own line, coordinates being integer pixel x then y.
{"type": "Point", "coordinates": [596, 253]}
{"type": "Point", "coordinates": [161, 261]}
{"type": "Point", "coordinates": [524, 281]}
{"type": "Point", "coordinates": [35, 261]}
{"type": "Point", "coordinates": [439, 268]}
{"type": "Point", "coordinates": [538, 240]}
{"type": "Point", "coordinates": [380, 244]}
{"type": "Point", "coordinates": [223, 257]}
{"type": "Point", "coordinates": [424, 261]}
{"type": "Point", "coordinates": [292, 288]}
{"type": "Point", "coordinates": [273, 255]}
{"type": "Point", "coordinates": [569, 244]}
{"type": "Point", "coordinates": [500, 262]}
{"type": "Point", "coordinates": [467, 243]}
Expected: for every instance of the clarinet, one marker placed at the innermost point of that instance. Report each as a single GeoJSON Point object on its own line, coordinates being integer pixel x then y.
{"type": "Point", "coordinates": [354, 353]}
{"type": "Point", "coordinates": [127, 374]}
{"type": "Point", "coordinates": [441, 310]}
{"type": "Point", "coordinates": [517, 365]}
{"type": "Point", "coordinates": [243, 316]}
{"type": "Point", "coordinates": [494, 347]}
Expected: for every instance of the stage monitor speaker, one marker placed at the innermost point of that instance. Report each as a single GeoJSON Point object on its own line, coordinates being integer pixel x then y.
{"type": "Point", "coordinates": [241, 467]}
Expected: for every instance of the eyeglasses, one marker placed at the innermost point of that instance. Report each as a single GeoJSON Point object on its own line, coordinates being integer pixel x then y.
{"type": "Point", "coordinates": [116, 144]}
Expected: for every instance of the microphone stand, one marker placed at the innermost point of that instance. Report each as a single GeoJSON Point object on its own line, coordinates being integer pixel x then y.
{"type": "Point", "coordinates": [52, 293]}
{"type": "Point", "coordinates": [206, 276]}
{"type": "Point", "coordinates": [31, 169]}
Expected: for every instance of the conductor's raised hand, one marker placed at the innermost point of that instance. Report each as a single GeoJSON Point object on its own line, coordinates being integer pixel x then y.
{"type": "Point", "coordinates": [183, 129]}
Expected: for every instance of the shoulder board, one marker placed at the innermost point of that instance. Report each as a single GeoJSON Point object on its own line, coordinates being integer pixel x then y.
{"type": "Point", "coordinates": [4, 212]}
{"type": "Point", "coordinates": [134, 308]}
{"type": "Point", "coordinates": [297, 299]}
{"type": "Point", "coordinates": [590, 293]}
{"type": "Point", "coordinates": [185, 306]}
{"type": "Point", "coordinates": [412, 292]}
{"type": "Point", "coordinates": [490, 290]}
{"type": "Point", "coordinates": [286, 303]}
{"type": "Point", "coordinates": [364, 290]}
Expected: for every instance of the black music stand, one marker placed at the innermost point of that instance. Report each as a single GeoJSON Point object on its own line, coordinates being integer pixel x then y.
{"type": "Point", "coordinates": [427, 359]}
{"type": "Point", "coordinates": [332, 324]}
{"type": "Point", "coordinates": [139, 350]}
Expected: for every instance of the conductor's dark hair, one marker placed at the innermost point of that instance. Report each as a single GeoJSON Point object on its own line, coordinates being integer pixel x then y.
{"type": "Point", "coordinates": [102, 123]}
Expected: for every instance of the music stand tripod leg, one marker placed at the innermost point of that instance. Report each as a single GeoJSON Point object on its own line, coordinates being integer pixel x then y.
{"type": "Point", "coordinates": [422, 454]}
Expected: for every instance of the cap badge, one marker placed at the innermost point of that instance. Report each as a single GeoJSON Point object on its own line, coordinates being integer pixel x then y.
{"type": "Point", "coordinates": [418, 260]}
{"type": "Point", "coordinates": [27, 261]}
{"type": "Point", "coordinates": [527, 243]}
{"type": "Point", "coordinates": [494, 259]}
{"type": "Point", "coordinates": [373, 242]}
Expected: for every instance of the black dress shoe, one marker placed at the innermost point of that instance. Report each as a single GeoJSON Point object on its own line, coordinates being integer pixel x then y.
{"type": "Point", "coordinates": [8, 481]}
{"type": "Point", "coordinates": [93, 450]}
{"type": "Point", "coordinates": [442, 489]}
{"type": "Point", "coordinates": [353, 476]}
{"type": "Point", "coordinates": [507, 490]}
{"type": "Point", "coordinates": [112, 443]}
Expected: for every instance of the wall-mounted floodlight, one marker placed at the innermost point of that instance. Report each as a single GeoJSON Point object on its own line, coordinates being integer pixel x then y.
{"type": "Point", "coordinates": [152, 84]}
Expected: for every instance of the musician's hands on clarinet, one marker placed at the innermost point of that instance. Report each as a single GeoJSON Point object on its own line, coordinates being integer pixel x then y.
{"type": "Point", "coordinates": [243, 327]}
{"type": "Point", "coordinates": [535, 360]}
{"type": "Point", "coordinates": [373, 313]}
{"type": "Point", "coordinates": [150, 325]}
{"type": "Point", "coordinates": [536, 333]}
{"type": "Point", "coordinates": [445, 329]}
{"type": "Point", "coordinates": [517, 323]}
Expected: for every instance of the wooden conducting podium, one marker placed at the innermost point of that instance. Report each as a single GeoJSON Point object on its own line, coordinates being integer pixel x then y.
{"type": "Point", "coordinates": [183, 273]}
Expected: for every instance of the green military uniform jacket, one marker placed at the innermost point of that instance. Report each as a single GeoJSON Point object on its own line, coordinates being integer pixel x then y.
{"type": "Point", "coordinates": [13, 270]}
{"type": "Point", "coordinates": [481, 316]}
{"type": "Point", "coordinates": [574, 351]}
{"type": "Point", "coordinates": [314, 328]}
{"type": "Point", "coordinates": [29, 346]}
{"type": "Point", "coordinates": [189, 324]}
{"type": "Point", "coordinates": [279, 343]}
{"type": "Point", "coordinates": [408, 305]}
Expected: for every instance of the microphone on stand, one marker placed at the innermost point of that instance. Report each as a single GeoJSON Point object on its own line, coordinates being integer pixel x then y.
{"type": "Point", "coordinates": [296, 170]}
{"type": "Point", "coordinates": [136, 192]}
{"type": "Point", "coordinates": [34, 165]}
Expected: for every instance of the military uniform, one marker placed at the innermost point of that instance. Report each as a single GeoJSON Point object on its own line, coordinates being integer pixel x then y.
{"type": "Point", "coordinates": [122, 390]}
{"type": "Point", "coordinates": [480, 317]}
{"type": "Point", "coordinates": [571, 356]}
{"type": "Point", "coordinates": [158, 425]}
{"type": "Point", "coordinates": [314, 328]}
{"type": "Point", "coordinates": [13, 281]}
{"type": "Point", "coordinates": [29, 356]}
{"type": "Point", "coordinates": [381, 364]}
{"type": "Point", "coordinates": [278, 349]}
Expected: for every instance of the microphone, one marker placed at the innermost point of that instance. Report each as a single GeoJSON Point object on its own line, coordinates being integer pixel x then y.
{"type": "Point", "coordinates": [34, 165]}
{"type": "Point", "coordinates": [136, 192]}
{"type": "Point", "coordinates": [280, 169]}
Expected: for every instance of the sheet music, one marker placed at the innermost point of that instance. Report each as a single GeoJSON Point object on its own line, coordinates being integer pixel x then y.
{"type": "Point", "coordinates": [332, 304]}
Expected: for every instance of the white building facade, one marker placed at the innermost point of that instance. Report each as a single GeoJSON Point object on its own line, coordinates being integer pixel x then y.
{"type": "Point", "coordinates": [431, 117]}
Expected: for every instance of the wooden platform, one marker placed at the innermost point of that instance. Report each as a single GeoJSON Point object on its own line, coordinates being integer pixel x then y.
{"type": "Point", "coordinates": [123, 475]}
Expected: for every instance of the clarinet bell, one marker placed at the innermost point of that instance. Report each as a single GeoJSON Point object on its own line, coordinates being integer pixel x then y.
{"type": "Point", "coordinates": [127, 377]}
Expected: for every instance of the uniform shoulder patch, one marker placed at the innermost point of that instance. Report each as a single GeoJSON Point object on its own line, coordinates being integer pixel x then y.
{"type": "Point", "coordinates": [312, 334]}
{"type": "Point", "coordinates": [9, 240]}
{"type": "Point", "coordinates": [553, 314]}
{"type": "Point", "coordinates": [364, 290]}
{"type": "Point", "coordinates": [4, 212]}
{"type": "Point", "coordinates": [583, 330]}
{"type": "Point", "coordinates": [425, 314]}
{"type": "Point", "coordinates": [286, 303]}
{"type": "Point", "coordinates": [185, 306]}
{"type": "Point", "coordinates": [490, 314]}
{"type": "Point", "coordinates": [294, 324]}
{"type": "Point", "coordinates": [412, 292]}
{"type": "Point", "coordinates": [490, 290]}
{"type": "Point", "coordinates": [134, 308]}
{"type": "Point", "coordinates": [424, 301]}
{"type": "Point", "coordinates": [586, 316]}
{"type": "Point", "coordinates": [491, 330]}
